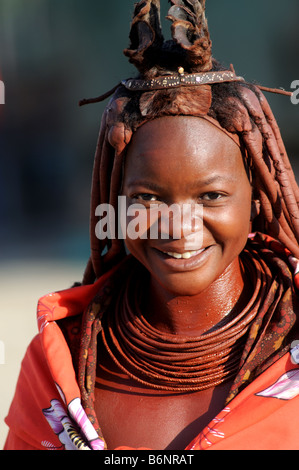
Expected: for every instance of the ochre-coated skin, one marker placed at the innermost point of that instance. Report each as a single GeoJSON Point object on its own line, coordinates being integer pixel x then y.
{"type": "Point", "coordinates": [179, 160]}
{"type": "Point", "coordinates": [133, 416]}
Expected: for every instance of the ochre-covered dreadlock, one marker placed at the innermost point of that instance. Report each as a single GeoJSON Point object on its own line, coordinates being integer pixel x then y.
{"type": "Point", "coordinates": [234, 106]}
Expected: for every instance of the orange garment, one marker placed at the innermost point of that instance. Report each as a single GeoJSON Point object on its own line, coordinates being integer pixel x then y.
{"type": "Point", "coordinates": [47, 411]}
{"type": "Point", "coordinates": [262, 417]}
{"type": "Point", "coordinates": [47, 392]}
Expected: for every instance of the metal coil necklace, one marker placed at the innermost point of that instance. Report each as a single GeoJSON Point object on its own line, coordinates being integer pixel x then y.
{"type": "Point", "coordinates": [171, 362]}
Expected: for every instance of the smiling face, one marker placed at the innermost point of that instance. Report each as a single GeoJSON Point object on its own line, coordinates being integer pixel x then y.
{"type": "Point", "coordinates": [186, 160]}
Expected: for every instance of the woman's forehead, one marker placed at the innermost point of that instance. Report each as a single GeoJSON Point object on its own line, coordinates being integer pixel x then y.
{"type": "Point", "coordinates": [188, 126]}
{"type": "Point", "coordinates": [183, 144]}
{"type": "Point", "coordinates": [177, 133]}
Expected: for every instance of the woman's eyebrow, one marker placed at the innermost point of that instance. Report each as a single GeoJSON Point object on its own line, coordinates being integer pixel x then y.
{"type": "Point", "coordinates": [204, 182]}
{"type": "Point", "coordinates": [145, 184]}
{"type": "Point", "coordinates": [231, 178]}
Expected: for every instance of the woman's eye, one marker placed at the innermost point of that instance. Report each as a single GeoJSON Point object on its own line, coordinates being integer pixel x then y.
{"type": "Point", "coordinates": [211, 196]}
{"type": "Point", "coordinates": [146, 197]}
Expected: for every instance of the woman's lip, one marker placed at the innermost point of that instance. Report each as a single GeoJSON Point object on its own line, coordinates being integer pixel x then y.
{"type": "Point", "coordinates": [181, 264]}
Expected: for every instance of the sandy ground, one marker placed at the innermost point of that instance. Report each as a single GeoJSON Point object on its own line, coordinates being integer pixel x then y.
{"type": "Point", "coordinates": [21, 284]}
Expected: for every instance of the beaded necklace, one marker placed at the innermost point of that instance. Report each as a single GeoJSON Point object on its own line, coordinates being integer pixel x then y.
{"type": "Point", "coordinates": [171, 362]}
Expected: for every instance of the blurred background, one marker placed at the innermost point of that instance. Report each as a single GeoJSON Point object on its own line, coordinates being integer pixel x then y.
{"type": "Point", "coordinates": [52, 54]}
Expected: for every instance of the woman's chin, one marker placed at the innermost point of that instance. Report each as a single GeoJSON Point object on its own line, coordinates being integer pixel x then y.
{"type": "Point", "coordinates": [182, 287]}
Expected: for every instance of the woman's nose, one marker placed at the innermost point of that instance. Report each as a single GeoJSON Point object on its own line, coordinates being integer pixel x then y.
{"type": "Point", "coordinates": [183, 221]}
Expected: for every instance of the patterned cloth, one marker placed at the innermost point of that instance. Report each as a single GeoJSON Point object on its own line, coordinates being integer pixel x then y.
{"type": "Point", "coordinates": [53, 403]}
{"type": "Point", "coordinates": [262, 417]}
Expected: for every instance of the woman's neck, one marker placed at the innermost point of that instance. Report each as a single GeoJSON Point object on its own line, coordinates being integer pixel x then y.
{"type": "Point", "coordinates": [194, 315]}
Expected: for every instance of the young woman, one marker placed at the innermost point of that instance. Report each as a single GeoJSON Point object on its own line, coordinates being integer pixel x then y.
{"type": "Point", "coordinates": [188, 342]}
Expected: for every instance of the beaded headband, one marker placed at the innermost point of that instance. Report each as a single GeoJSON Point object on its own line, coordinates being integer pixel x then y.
{"type": "Point", "coordinates": [181, 79]}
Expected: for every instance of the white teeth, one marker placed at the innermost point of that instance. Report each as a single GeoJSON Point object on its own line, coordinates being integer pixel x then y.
{"type": "Point", "coordinates": [175, 255]}
{"type": "Point", "coordinates": [186, 255]}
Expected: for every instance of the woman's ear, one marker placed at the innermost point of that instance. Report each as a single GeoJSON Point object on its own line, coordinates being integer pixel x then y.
{"type": "Point", "coordinates": [255, 208]}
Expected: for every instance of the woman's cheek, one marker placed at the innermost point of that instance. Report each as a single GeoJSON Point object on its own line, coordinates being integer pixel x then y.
{"type": "Point", "coordinates": [228, 225]}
